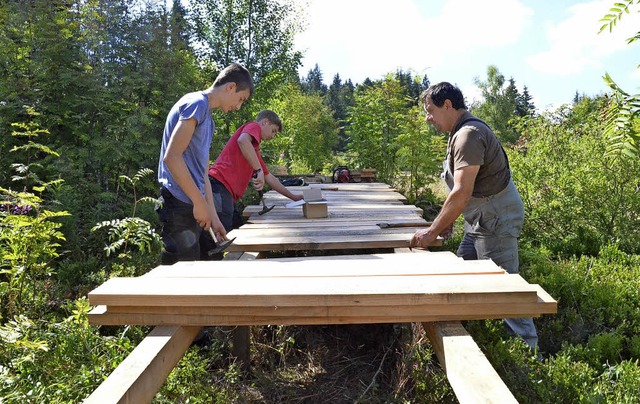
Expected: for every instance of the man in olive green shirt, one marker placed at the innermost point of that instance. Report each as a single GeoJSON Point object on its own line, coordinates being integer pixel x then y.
{"type": "Point", "coordinates": [477, 172]}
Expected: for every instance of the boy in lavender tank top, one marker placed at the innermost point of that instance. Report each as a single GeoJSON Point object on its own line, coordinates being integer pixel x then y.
{"type": "Point", "coordinates": [187, 202]}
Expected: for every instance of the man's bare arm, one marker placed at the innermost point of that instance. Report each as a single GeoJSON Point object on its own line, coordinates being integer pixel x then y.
{"type": "Point", "coordinates": [463, 181]}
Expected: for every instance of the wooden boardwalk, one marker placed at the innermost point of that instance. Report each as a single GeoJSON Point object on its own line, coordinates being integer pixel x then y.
{"type": "Point", "coordinates": [436, 289]}
{"type": "Point", "coordinates": [360, 216]}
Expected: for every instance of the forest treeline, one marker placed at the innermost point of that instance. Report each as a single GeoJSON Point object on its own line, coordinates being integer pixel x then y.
{"type": "Point", "coordinates": [85, 86]}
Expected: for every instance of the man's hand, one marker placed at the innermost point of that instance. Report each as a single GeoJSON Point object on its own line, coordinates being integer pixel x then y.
{"type": "Point", "coordinates": [201, 213]}
{"type": "Point", "coordinates": [258, 179]}
{"type": "Point", "coordinates": [297, 197]}
{"type": "Point", "coordinates": [218, 229]}
{"type": "Point", "coordinates": [422, 238]}
{"type": "Point", "coordinates": [208, 218]}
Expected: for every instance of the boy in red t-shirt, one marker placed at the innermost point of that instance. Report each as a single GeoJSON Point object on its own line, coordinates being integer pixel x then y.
{"type": "Point", "coordinates": [241, 162]}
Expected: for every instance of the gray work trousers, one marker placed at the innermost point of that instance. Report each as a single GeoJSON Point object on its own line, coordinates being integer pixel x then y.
{"type": "Point", "coordinates": [492, 226]}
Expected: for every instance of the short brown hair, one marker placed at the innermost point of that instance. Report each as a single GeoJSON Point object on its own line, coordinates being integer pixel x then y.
{"type": "Point", "coordinates": [235, 73]}
{"type": "Point", "coordinates": [442, 91]}
{"type": "Point", "coordinates": [271, 117]}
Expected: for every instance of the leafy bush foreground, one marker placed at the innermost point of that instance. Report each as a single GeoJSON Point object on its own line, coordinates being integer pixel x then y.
{"type": "Point", "coordinates": [590, 348]}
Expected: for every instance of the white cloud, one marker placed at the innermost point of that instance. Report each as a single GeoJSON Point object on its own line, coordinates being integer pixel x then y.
{"type": "Point", "coordinates": [360, 38]}
{"type": "Point", "coordinates": [574, 43]}
{"type": "Point", "coordinates": [472, 94]}
{"type": "Point", "coordinates": [466, 24]}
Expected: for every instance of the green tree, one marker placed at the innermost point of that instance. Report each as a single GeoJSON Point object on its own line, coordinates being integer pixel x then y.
{"type": "Point", "coordinates": [413, 86]}
{"type": "Point", "coordinates": [39, 66]}
{"type": "Point", "coordinates": [310, 131]}
{"type": "Point", "coordinates": [420, 155]}
{"type": "Point", "coordinates": [376, 120]}
{"type": "Point", "coordinates": [499, 105]}
{"type": "Point", "coordinates": [314, 82]}
{"type": "Point", "coordinates": [133, 72]}
{"type": "Point", "coordinates": [257, 33]}
{"type": "Point", "coordinates": [339, 98]}
{"type": "Point", "coordinates": [525, 103]}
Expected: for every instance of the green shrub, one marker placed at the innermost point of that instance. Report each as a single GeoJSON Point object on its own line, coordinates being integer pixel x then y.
{"type": "Point", "coordinates": [577, 198]}
{"type": "Point", "coordinates": [49, 360]}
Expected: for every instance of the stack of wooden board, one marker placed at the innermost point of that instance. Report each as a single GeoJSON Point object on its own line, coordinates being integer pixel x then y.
{"type": "Point", "coordinates": [383, 288]}
{"type": "Point", "coordinates": [355, 213]}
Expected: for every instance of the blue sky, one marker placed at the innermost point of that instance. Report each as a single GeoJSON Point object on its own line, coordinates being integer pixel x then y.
{"type": "Point", "coordinates": [551, 46]}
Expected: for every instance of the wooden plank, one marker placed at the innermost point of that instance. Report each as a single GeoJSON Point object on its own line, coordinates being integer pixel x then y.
{"type": "Point", "coordinates": [474, 309]}
{"type": "Point", "coordinates": [139, 377]}
{"type": "Point", "coordinates": [470, 374]}
{"type": "Point", "coordinates": [313, 291]}
{"type": "Point", "coordinates": [409, 220]}
{"type": "Point", "coordinates": [239, 316]}
{"type": "Point", "coordinates": [371, 186]}
{"type": "Point", "coordinates": [345, 198]}
{"type": "Point", "coordinates": [353, 215]}
{"type": "Point", "coordinates": [328, 194]}
{"type": "Point", "coordinates": [263, 220]}
{"type": "Point", "coordinates": [354, 211]}
{"type": "Point", "coordinates": [280, 206]}
{"type": "Point", "coordinates": [338, 210]}
{"type": "Point", "coordinates": [326, 242]}
{"type": "Point", "coordinates": [358, 265]}
{"type": "Point", "coordinates": [358, 231]}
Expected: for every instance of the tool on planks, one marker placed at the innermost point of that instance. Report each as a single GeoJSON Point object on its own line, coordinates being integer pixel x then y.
{"type": "Point", "coordinates": [219, 246]}
{"type": "Point", "coordinates": [387, 225]}
{"type": "Point", "coordinates": [265, 209]}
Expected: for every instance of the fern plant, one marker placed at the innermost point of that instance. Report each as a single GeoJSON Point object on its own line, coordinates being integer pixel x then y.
{"type": "Point", "coordinates": [131, 231]}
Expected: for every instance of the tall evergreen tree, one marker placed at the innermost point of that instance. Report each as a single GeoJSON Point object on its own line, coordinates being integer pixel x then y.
{"type": "Point", "coordinates": [313, 84]}
{"type": "Point", "coordinates": [499, 104]}
{"type": "Point", "coordinates": [339, 98]}
{"type": "Point", "coordinates": [527, 101]}
{"type": "Point", "coordinates": [412, 87]}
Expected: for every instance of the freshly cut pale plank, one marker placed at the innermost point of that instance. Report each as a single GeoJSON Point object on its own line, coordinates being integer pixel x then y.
{"type": "Point", "coordinates": [363, 265]}
{"type": "Point", "coordinates": [313, 291]}
{"type": "Point", "coordinates": [470, 374]}
{"type": "Point", "coordinates": [525, 309]}
{"type": "Point", "coordinates": [315, 315]}
{"type": "Point", "coordinates": [139, 377]}
{"type": "Point", "coordinates": [424, 257]}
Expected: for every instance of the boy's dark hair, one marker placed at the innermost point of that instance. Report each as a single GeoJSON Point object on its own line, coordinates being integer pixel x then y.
{"type": "Point", "coordinates": [235, 73]}
{"type": "Point", "coordinates": [271, 117]}
{"type": "Point", "coordinates": [442, 91]}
